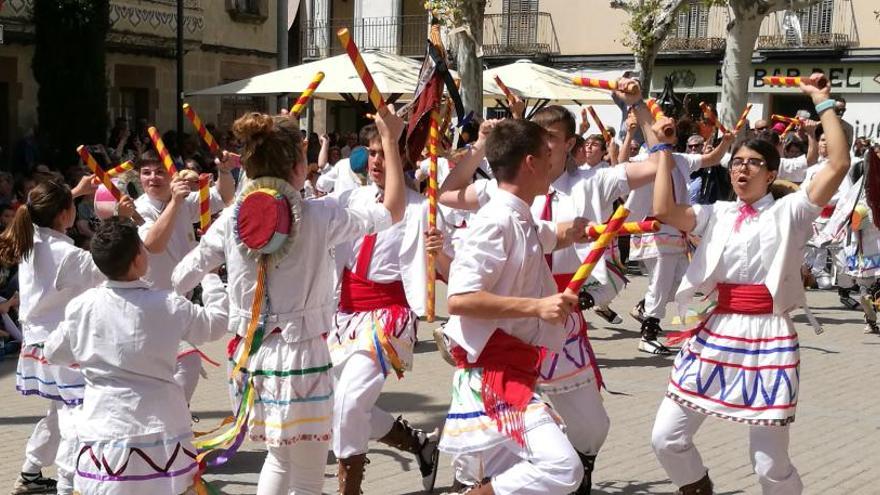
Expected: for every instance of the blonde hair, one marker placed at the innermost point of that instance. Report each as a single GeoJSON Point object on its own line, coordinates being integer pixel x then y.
{"type": "Point", "coordinates": [272, 145]}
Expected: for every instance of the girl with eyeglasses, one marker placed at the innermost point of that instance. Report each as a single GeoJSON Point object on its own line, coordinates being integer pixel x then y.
{"type": "Point", "coordinates": [742, 363]}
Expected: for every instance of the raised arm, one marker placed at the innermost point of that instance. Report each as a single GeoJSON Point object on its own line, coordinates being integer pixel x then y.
{"type": "Point", "coordinates": [714, 157]}
{"type": "Point", "coordinates": [666, 210]}
{"type": "Point", "coordinates": [456, 190]}
{"type": "Point", "coordinates": [812, 143]}
{"type": "Point", "coordinates": [827, 181]}
{"type": "Point", "coordinates": [160, 231]}
{"type": "Point", "coordinates": [390, 127]}
{"type": "Point", "coordinates": [225, 181]}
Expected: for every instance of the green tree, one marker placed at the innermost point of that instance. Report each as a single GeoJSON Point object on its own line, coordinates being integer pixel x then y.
{"type": "Point", "coordinates": [465, 18]}
{"type": "Point", "coordinates": [68, 65]}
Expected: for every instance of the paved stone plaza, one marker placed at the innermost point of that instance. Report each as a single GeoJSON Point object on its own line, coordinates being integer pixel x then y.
{"type": "Point", "coordinates": [835, 442]}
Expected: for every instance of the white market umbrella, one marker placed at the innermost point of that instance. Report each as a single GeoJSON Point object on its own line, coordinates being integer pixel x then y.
{"type": "Point", "coordinates": [543, 84]}
{"type": "Point", "coordinates": [393, 74]}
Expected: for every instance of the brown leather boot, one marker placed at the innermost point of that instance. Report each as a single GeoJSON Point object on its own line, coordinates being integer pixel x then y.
{"type": "Point", "coordinates": [351, 474]}
{"type": "Point", "coordinates": [419, 443]}
{"type": "Point", "coordinates": [701, 487]}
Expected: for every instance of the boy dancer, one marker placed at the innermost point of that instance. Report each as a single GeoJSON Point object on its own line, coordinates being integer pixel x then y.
{"type": "Point", "coordinates": [382, 293]}
{"type": "Point", "coordinates": [124, 337]}
{"type": "Point", "coordinates": [505, 308]}
{"type": "Point", "coordinates": [170, 207]}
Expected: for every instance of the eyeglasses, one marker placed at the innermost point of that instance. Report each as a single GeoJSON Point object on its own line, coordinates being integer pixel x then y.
{"type": "Point", "coordinates": [751, 163]}
{"type": "Point", "coordinates": [695, 146]}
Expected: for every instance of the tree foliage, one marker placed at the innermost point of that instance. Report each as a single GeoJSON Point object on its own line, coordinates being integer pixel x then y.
{"type": "Point", "coordinates": [69, 67]}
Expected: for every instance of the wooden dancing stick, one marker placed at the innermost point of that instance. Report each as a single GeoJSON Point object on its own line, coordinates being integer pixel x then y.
{"type": "Point", "coordinates": [504, 89]}
{"type": "Point", "coordinates": [203, 131]}
{"type": "Point", "coordinates": [164, 155]}
{"type": "Point", "coordinates": [794, 82]}
{"type": "Point", "coordinates": [204, 202]}
{"type": "Point", "coordinates": [711, 117]}
{"type": "Point", "coordinates": [597, 249]}
{"type": "Point", "coordinates": [643, 227]}
{"type": "Point", "coordinates": [658, 114]}
{"type": "Point", "coordinates": [102, 176]}
{"type": "Point", "coordinates": [433, 144]}
{"type": "Point", "coordinates": [742, 118]}
{"type": "Point", "coordinates": [589, 82]}
{"type": "Point", "coordinates": [361, 68]}
{"type": "Point", "coordinates": [784, 119]}
{"type": "Point", "coordinates": [303, 100]}
{"type": "Point", "coordinates": [120, 169]}
{"type": "Point", "coordinates": [605, 134]}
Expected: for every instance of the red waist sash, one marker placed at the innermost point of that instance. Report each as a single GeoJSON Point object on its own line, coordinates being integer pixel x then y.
{"type": "Point", "coordinates": [510, 372]}
{"type": "Point", "coordinates": [362, 294]}
{"type": "Point", "coordinates": [562, 280]}
{"type": "Point", "coordinates": [744, 299]}
{"type": "Point", "coordinates": [827, 211]}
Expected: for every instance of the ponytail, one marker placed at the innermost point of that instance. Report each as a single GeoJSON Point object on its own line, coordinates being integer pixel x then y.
{"type": "Point", "coordinates": [45, 202]}
{"type": "Point", "coordinates": [17, 241]}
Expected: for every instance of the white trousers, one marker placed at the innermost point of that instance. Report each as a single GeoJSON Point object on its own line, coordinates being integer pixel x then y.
{"type": "Point", "coordinates": [42, 446]}
{"type": "Point", "coordinates": [586, 421]}
{"type": "Point", "coordinates": [673, 442]}
{"type": "Point", "coordinates": [666, 271]}
{"type": "Point", "coordinates": [549, 465]}
{"type": "Point", "coordinates": [356, 419]}
{"type": "Point", "coordinates": [186, 373]}
{"type": "Point", "coordinates": [296, 469]}
{"type": "Point", "coordinates": [817, 258]}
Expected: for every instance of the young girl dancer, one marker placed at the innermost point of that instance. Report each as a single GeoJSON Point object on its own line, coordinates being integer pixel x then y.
{"type": "Point", "coordinates": [51, 272]}
{"type": "Point", "coordinates": [292, 292]}
{"type": "Point", "coordinates": [742, 363]}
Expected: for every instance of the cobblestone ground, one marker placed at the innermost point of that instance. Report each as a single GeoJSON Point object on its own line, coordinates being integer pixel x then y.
{"type": "Point", "coordinates": [835, 442]}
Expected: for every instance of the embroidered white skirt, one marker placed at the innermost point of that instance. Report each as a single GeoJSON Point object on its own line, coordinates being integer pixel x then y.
{"type": "Point", "coordinates": [36, 376]}
{"type": "Point", "coordinates": [575, 366]}
{"type": "Point", "coordinates": [392, 329]}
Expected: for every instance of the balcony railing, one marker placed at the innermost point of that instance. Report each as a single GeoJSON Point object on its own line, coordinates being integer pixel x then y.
{"type": "Point", "coordinates": [519, 34]}
{"type": "Point", "coordinates": [698, 29]}
{"type": "Point", "coordinates": [403, 35]}
{"type": "Point", "coordinates": [827, 25]}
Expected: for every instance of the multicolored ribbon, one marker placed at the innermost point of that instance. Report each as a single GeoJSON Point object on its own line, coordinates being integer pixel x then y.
{"type": "Point", "coordinates": [164, 155]}
{"type": "Point", "coordinates": [303, 100]}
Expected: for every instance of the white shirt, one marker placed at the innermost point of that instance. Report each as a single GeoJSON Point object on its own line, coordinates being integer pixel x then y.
{"type": "Point", "coordinates": [54, 273]}
{"type": "Point", "coordinates": [501, 253]}
{"type": "Point", "coordinates": [399, 252]}
{"type": "Point", "coordinates": [793, 169]}
{"type": "Point", "coordinates": [300, 285]}
{"type": "Point", "coordinates": [668, 240]}
{"type": "Point", "coordinates": [124, 336]}
{"type": "Point", "coordinates": [841, 191]}
{"type": "Point", "coordinates": [782, 230]}
{"type": "Point", "coordinates": [587, 166]}
{"type": "Point", "coordinates": [183, 237]}
{"type": "Point", "coordinates": [339, 179]}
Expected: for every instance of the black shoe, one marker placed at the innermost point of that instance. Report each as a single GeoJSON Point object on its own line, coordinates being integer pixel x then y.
{"type": "Point", "coordinates": [649, 342]}
{"type": "Point", "coordinates": [589, 462]}
{"type": "Point", "coordinates": [420, 443]}
{"type": "Point", "coordinates": [638, 311]}
{"type": "Point", "coordinates": [608, 315]}
{"type": "Point", "coordinates": [847, 300]}
{"type": "Point", "coordinates": [33, 483]}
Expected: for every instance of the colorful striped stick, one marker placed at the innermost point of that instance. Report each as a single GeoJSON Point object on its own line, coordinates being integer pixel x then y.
{"type": "Point", "coordinates": [792, 82]}
{"type": "Point", "coordinates": [164, 155]}
{"type": "Point", "coordinates": [597, 249]}
{"type": "Point", "coordinates": [596, 83]}
{"type": "Point", "coordinates": [788, 128]}
{"type": "Point", "coordinates": [712, 117]}
{"type": "Point", "coordinates": [784, 119]}
{"type": "Point", "coordinates": [204, 202]}
{"type": "Point", "coordinates": [433, 142]}
{"type": "Point", "coordinates": [203, 131]}
{"type": "Point", "coordinates": [120, 169]}
{"type": "Point", "coordinates": [658, 114]}
{"type": "Point", "coordinates": [361, 68]}
{"type": "Point", "coordinates": [102, 176]}
{"type": "Point", "coordinates": [303, 100]}
{"type": "Point", "coordinates": [605, 134]}
{"type": "Point", "coordinates": [742, 118]}
{"type": "Point", "coordinates": [643, 227]}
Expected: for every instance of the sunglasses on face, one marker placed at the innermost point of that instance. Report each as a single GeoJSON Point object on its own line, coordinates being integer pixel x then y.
{"type": "Point", "coordinates": [695, 146]}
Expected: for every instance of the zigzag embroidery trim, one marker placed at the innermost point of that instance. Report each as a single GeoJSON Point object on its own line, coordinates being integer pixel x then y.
{"type": "Point", "coordinates": [118, 475]}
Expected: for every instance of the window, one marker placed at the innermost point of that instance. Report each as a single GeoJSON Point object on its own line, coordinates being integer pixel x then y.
{"type": "Point", "coordinates": [134, 104]}
{"type": "Point", "coordinates": [248, 10]}
{"type": "Point", "coordinates": [816, 20]}
{"type": "Point", "coordinates": [248, 6]}
{"type": "Point", "coordinates": [520, 22]}
{"type": "Point", "coordinates": [693, 21]}
{"type": "Point", "coordinates": [234, 106]}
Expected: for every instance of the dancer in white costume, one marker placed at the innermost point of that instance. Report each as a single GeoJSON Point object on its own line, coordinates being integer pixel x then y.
{"type": "Point", "coordinates": [290, 370]}
{"type": "Point", "coordinates": [742, 363]}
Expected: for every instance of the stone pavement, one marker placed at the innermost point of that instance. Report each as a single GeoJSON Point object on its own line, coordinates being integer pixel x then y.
{"type": "Point", "coordinates": [835, 442]}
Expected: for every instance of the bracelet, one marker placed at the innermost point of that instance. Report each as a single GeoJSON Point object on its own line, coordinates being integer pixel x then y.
{"type": "Point", "coordinates": [825, 105]}
{"type": "Point", "coordinates": [660, 147]}
{"type": "Point", "coordinates": [635, 105]}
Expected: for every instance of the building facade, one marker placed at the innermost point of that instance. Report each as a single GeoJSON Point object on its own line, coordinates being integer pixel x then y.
{"type": "Point", "coordinates": [224, 40]}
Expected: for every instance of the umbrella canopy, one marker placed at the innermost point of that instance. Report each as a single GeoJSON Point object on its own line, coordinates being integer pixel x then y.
{"type": "Point", "coordinates": [393, 74]}
{"type": "Point", "coordinates": [537, 82]}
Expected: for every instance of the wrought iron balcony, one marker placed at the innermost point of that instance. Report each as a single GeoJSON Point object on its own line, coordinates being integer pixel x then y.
{"type": "Point", "coordinates": [698, 29]}
{"type": "Point", "coordinates": [827, 25]}
{"type": "Point", "coordinates": [403, 35]}
{"type": "Point", "coordinates": [519, 34]}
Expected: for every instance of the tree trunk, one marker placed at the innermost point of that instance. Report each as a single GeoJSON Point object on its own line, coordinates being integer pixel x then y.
{"type": "Point", "coordinates": [742, 34]}
{"type": "Point", "coordinates": [645, 68]}
{"type": "Point", "coordinates": [470, 68]}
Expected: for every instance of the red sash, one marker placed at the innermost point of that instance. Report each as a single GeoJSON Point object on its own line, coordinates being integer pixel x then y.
{"type": "Point", "coordinates": [359, 293]}
{"type": "Point", "coordinates": [510, 372]}
{"type": "Point", "coordinates": [739, 299]}
{"type": "Point", "coordinates": [827, 211]}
